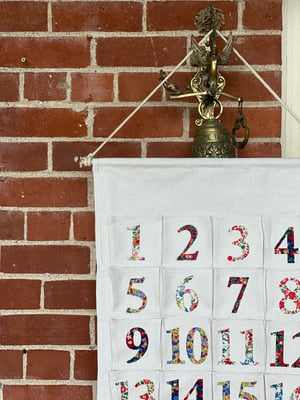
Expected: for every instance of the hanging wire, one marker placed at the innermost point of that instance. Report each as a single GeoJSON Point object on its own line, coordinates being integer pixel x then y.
{"type": "Point", "coordinates": [87, 160]}
{"type": "Point", "coordinates": [273, 93]}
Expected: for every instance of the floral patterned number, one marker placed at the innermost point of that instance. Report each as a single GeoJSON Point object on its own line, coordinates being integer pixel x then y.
{"type": "Point", "coordinates": [136, 237]}
{"type": "Point", "coordinates": [244, 395]}
{"type": "Point", "coordinates": [279, 350]}
{"type": "Point", "coordinates": [240, 281]}
{"type": "Point", "coordinates": [279, 392]}
{"type": "Point", "coordinates": [296, 394]}
{"type": "Point", "coordinates": [138, 293]}
{"type": "Point", "coordinates": [142, 347]}
{"type": "Point", "coordinates": [194, 233]}
{"type": "Point", "coordinates": [290, 250]}
{"type": "Point", "coordinates": [150, 389]}
{"type": "Point", "coordinates": [240, 242]}
{"type": "Point", "coordinates": [225, 348]}
{"type": "Point", "coordinates": [225, 389]}
{"type": "Point", "coordinates": [290, 296]}
{"type": "Point", "coordinates": [124, 389]}
{"type": "Point", "coordinates": [248, 348]}
{"type": "Point", "coordinates": [175, 347]}
{"type": "Point", "coordinates": [296, 364]}
{"type": "Point", "coordinates": [175, 390]}
{"type": "Point", "coordinates": [190, 345]}
{"type": "Point", "coordinates": [181, 291]}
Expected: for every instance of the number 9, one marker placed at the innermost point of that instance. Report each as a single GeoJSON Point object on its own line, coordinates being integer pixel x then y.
{"type": "Point", "coordinates": [142, 347]}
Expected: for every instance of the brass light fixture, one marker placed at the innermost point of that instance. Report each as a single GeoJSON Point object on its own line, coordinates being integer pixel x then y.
{"type": "Point", "coordinates": [212, 138]}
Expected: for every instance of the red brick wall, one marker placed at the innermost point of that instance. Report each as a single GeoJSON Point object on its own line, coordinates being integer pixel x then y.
{"type": "Point", "coordinates": [70, 72]}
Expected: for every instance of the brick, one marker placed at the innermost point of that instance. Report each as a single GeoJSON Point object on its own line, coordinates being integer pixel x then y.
{"type": "Point", "coordinates": [23, 157]}
{"type": "Point", "coordinates": [11, 364]}
{"type": "Point", "coordinates": [169, 149]}
{"type": "Point", "coordinates": [262, 122]}
{"type": "Point", "coordinates": [9, 86]}
{"type": "Point", "coordinates": [136, 86]}
{"type": "Point", "coordinates": [11, 225]}
{"type": "Point", "coordinates": [260, 50]}
{"type": "Point", "coordinates": [260, 150]}
{"type": "Point", "coordinates": [85, 366]}
{"type": "Point", "coordinates": [72, 294]}
{"type": "Point", "coordinates": [45, 52]}
{"type": "Point", "coordinates": [84, 225]}
{"type": "Point", "coordinates": [148, 122]}
{"type": "Point", "coordinates": [262, 15]}
{"type": "Point", "coordinates": [43, 392]}
{"type": "Point", "coordinates": [53, 122]}
{"type": "Point", "coordinates": [22, 294]}
{"type": "Point", "coordinates": [44, 329]}
{"type": "Point", "coordinates": [48, 225]}
{"type": "Point", "coordinates": [180, 15]}
{"type": "Point", "coordinates": [43, 192]}
{"type": "Point", "coordinates": [48, 364]}
{"type": "Point", "coordinates": [45, 86]}
{"type": "Point", "coordinates": [106, 16]}
{"type": "Point", "coordinates": [45, 259]}
{"type": "Point", "coordinates": [19, 16]}
{"type": "Point", "coordinates": [64, 153]}
{"type": "Point", "coordinates": [246, 85]}
{"type": "Point", "coordinates": [92, 87]}
{"type": "Point", "coordinates": [140, 51]}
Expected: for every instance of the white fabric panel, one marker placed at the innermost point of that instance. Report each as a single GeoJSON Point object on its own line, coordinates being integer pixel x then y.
{"type": "Point", "coordinates": [240, 386]}
{"type": "Point", "coordinates": [127, 249]}
{"type": "Point", "coordinates": [284, 345]}
{"type": "Point", "coordinates": [124, 356]}
{"type": "Point", "coordinates": [239, 346]}
{"type": "Point", "coordinates": [135, 293]}
{"type": "Point", "coordinates": [187, 381]}
{"type": "Point", "coordinates": [283, 294]}
{"type": "Point", "coordinates": [140, 206]}
{"type": "Point", "coordinates": [174, 242]}
{"type": "Point", "coordinates": [180, 337]}
{"type": "Point", "coordinates": [187, 293]}
{"type": "Point", "coordinates": [238, 242]}
{"type": "Point", "coordinates": [239, 293]}
{"type": "Point", "coordinates": [275, 229]}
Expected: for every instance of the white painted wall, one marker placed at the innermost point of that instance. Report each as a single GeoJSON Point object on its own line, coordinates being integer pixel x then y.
{"type": "Point", "coordinates": [291, 77]}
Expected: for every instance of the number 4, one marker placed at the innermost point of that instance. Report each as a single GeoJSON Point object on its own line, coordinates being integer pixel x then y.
{"type": "Point", "coordinates": [290, 249]}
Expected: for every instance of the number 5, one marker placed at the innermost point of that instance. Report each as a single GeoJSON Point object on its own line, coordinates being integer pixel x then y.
{"type": "Point", "coordinates": [244, 395]}
{"type": "Point", "coordinates": [138, 293]}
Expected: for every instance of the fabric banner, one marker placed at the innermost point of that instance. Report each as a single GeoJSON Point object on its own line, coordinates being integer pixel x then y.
{"type": "Point", "coordinates": [198, 279]}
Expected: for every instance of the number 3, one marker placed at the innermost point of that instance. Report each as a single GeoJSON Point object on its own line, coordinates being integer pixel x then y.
{"type": "Point", "coordinates": [240, 242]}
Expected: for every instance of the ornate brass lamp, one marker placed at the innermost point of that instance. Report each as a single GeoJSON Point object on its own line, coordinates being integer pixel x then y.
{"type": "Point", "coordinates": [212, 138]}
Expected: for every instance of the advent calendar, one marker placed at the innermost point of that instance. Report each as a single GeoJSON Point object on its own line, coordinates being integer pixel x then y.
{"type": "Point", "coordinates": [198, 285]}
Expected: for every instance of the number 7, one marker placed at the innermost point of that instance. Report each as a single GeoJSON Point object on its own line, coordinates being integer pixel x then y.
{"type": "Point", "coordinates": [241, 281]}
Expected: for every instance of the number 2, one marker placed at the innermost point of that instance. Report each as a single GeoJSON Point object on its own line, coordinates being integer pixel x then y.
{"type": "Point", "coordinates": [194, 233]}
